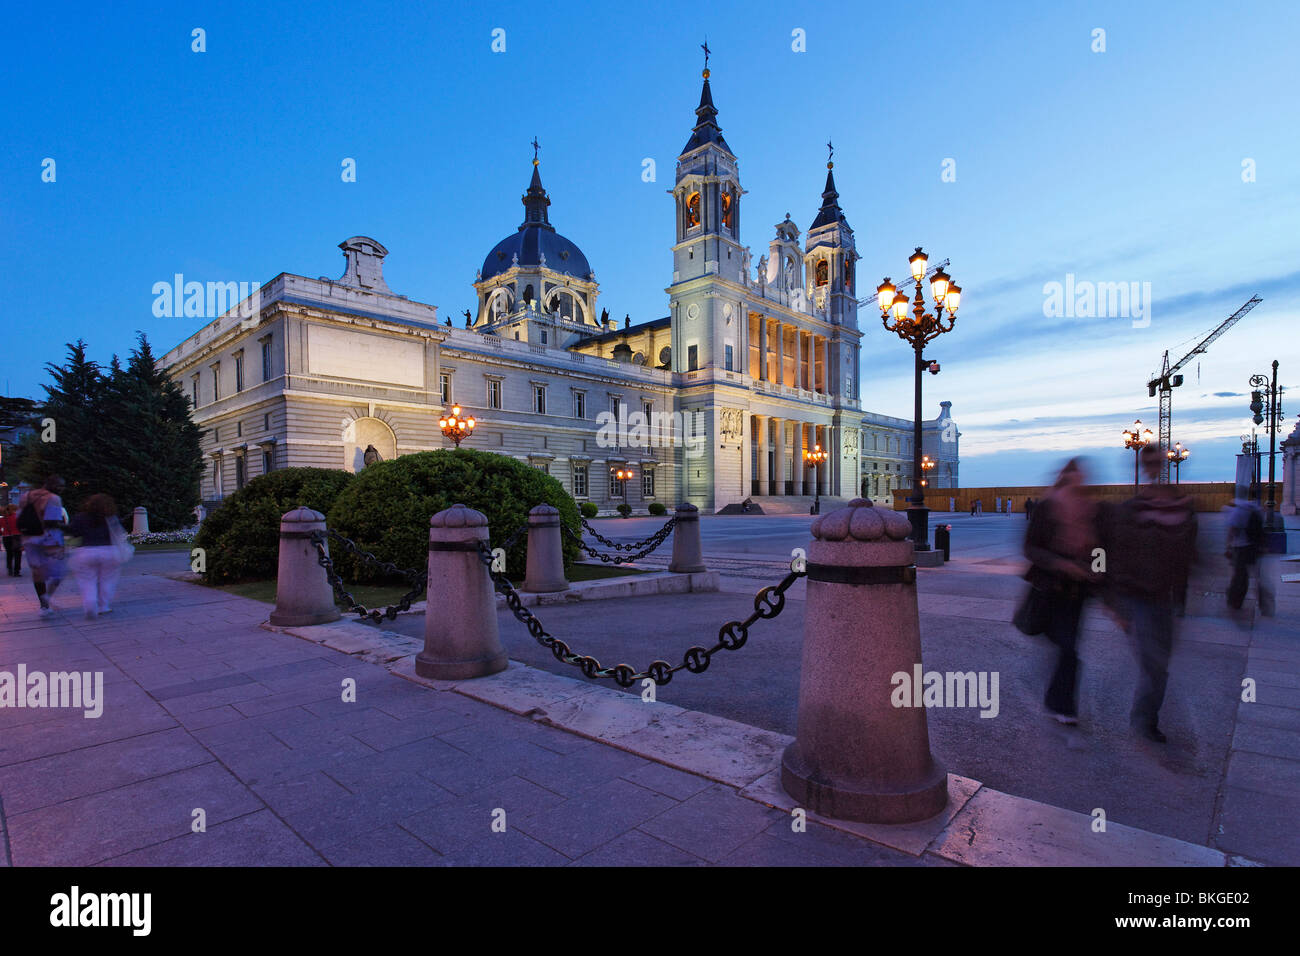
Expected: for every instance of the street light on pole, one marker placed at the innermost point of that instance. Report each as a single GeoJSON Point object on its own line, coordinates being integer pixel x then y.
{"type": "Point", "coordinates": [917, 331]}
{"type": "Point", "coordinates": [1266, 404]}
{"type": "Point", "coordinates": [1177, 455]}
{"type": "Point", "coordinates": [1137, 439]}
{"type": "Point", "coordinates": [814, 459]}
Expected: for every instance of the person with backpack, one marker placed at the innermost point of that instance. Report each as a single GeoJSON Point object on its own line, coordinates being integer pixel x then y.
{"type": "Point", "coordinates": [1244, 550]}
{"type": "Point", "coordinates": [97, 561]}
{"type": "Point", "coordinates": [40, 521]}
{"type": "Point", "coordinates": [13, 541]}
{"type": "Point", "coordinates": [1149, 542]}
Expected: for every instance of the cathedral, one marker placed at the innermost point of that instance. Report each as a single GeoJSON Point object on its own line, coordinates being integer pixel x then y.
{"type": "Point", "coordinates": [715, 403]}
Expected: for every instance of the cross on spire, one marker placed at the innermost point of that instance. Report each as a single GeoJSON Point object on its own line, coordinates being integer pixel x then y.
{"type": "Point", "coordinates": [536, 147]}
{"type": "Point", "coordinates": [830, 154]}
{"type": "Point", "coordinates": [705, 47]}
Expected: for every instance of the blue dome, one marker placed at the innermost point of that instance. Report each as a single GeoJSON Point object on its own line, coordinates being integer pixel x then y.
{"type": "Point", "coordinates": [529, 244]}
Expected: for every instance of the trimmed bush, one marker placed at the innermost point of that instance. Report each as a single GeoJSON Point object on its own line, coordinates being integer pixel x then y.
{"type": "Point", "coordinates": [624, 509]}
{"type": "Point", "coordinates": [386, 509]}
{"type": "Point", "coordinates": [589, 509]}
{"type": "Point", "coordinates": [242, 537]}
{"type": "Point", "coordinates": [657, 508]}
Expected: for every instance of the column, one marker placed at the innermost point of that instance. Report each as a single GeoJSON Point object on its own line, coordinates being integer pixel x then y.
{"type": "Point", "coordinates": [798, 348]}
{"type": "Point", "coordinates": [780, 353]}
{"type": "Point", "coordinates": [762, 348]}
{"type": "Point", "coordinates": [760, 446]}
{"type": "Point", "coordinates": [819, 437]}
{"type": "Point", "coordinates": [779, 455]}
{"type": "Point", "coordinates": [798, 467]}
{"type": "Point", "coordinates": [814, 351]}
{"type": "Point", "coordinates": [826, 368]}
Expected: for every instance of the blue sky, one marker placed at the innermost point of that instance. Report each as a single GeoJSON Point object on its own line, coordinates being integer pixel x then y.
{"type": "Point", "coordinates": [1117, 166]}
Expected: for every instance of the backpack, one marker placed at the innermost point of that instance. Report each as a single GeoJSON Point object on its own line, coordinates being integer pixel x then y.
{"type": "Point", "coordinates": [29, 522]}
{"type": "Point", "coordinates": [1255, 529]}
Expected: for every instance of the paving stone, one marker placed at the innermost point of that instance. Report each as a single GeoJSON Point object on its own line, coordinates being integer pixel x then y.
{"type": "Point", "coordinates": [345, 819]}
{"type": "Point", "coordinates": [595, 816]}
{"type": "Point", "coordinates": [666, 780]}
{"type": "Point", "coordinates": [712, 823]}
{"type": "Point", "coordinates": [768, 850]}
{"type": "Point", "coordinates": [635, 848]}
{"type": "Point", "coordinates": [387, 846]}
{"type": "Point", "coordinates": [1263, 773]}
{"type": "Point", "coordinates": [468, 818]}
{"type": "Point", "coordinates": [315, 786]}
{"type": "Point", "coordinates": [1261, 826]}
{"type": "Point", "coordinates": [258, 839]}
{"type": "Point", "coordinates": [512, 848]}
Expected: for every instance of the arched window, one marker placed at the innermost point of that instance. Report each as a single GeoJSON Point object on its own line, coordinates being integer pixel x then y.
{"type": "Point", "coordinates": [727, 200]}
{"type": "Point", "coordinates": [693, 210]}
{"type": "Point", "coordinates": [528, 293]}
{"type": "Point", "coordinates": [822, 272]}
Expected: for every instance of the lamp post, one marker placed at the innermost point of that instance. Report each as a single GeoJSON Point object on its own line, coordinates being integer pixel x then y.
{"type": "Point", "coordinates": [1137, 439]}
{"type": "Point", "coordinates": [1177, 455]}
{"type": "Point", "coordinates": [815, 458]}
{"type": "Point", "coordinates": [622, 476]}
{"type": "Point", "coordinates": [456, 426]}
{"type": "Point", "coordinates": [917, 331]}
{"type": "Point", "coordinates": [927, 465]}
{"type": "Point", "coordinates": [1265, 402]}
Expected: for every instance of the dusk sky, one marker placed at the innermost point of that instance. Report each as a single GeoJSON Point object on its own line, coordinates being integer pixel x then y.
{"type": "Point", "coordinates": [1169, 158]}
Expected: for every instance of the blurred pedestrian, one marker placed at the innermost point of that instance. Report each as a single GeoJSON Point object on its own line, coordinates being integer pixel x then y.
{"type": "Point", "coordinates": [1059, 545]}
{"type": "Point", "coordinates": [40, 521]}
{"type": "Point", "coordinates": [1245, 548]}
{"type": "Point", "coordinates": [13, 540]}
{"type": "Point", "coordinates": [98, 561]}
{"type": "Point", "coordinates": [1029, 508]}
{"type": "Point", "coordinates": [1149, 543]}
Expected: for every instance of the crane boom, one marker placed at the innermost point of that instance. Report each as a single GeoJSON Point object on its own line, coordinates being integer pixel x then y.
{"type": "Point", "coordinates": [871, 299]}
{"type": "Point", "coordinates": [1167, 380]}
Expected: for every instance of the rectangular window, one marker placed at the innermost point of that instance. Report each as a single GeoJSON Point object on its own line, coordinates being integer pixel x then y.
{"type": "Point", "coordinates": [239, 373]}
{"type": "Point", "coordinates": [579, 481]}
{"type": "Point", "coordinates": [266, 422]}
{"type": "Point", "coordinates": [648, 483]}
{"type": "Point", "coordinates": [216, 382]}
{"type": "Point", "coordinates": [239, 429]}
{"type": "Point", "coordinates": [444, 385]}
{"type": "Point", "coordinates": [194, 391]}
{"type": "Point", "coordinates": [729, 353]}
{"type": "Point", "coordinates": [543, 336]}
{"type": "Point", "coordinates": [692, 358]}
{"type": "Point", "coordinates": [617, 486]}
{"type": "Point", "coordinates": [267, 460]}
{"type": "Point", "coordinates": [579, 405]}
{"type": "Point", "coordinates": [647, 409]}
{"type": "Point", "coordinates": [266, 360]}
{"type": "Point", "coordinates": [494, 393]}
{"type": "Point", "coordinates": [239, 472]}
{"type": "Point", "coordinates": [539, 399]}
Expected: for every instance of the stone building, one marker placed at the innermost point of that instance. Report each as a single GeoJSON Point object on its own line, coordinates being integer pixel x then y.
{"type": "Point", "coordinates": [716, 402]}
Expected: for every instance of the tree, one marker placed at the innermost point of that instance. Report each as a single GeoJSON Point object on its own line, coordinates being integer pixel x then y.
{"type": "Point", "coordinates": [126, 433]}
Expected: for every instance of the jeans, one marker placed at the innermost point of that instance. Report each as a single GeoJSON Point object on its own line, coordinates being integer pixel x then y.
{"type": "Point", "coordinates": [1151, 624]}
{"type": "Point", "coordinates": [13, 553]}
{"type": "Point", "coordinates": [1063, 631]}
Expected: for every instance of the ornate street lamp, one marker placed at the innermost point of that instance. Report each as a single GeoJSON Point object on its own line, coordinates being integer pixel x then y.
{"type": "Point", "coordinates": [927, 465]}
{"type": "Point", "coordinates": [456, 426]}
{"type": "Point", "coordinates": [1265, 404]}
{"type": "Point", "coordinates": [917, 330]}
{"type": "Point", "coordinates": [1177, 455]}
{"type": "Point", "coordinates": [1137, 439]}
{"type": "Point", "coordinates": [814, 459]}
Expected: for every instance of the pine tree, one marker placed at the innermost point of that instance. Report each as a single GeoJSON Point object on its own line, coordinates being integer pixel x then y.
{"type": "Point", "coordinates": [69, 444]}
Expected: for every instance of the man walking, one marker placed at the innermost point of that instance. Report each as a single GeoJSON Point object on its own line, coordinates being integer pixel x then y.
{"type": "Point", "coordinates": [1149, 543]}
{"type": "Point", "coordinates": [41, 522]}
{"type": "Point", "coordinates": [1245, 547]}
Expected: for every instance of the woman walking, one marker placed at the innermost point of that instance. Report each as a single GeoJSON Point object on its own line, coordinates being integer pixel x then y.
{"type": "Point", "coordinates": [13, 540]}
{"type": "Point", "coordinates": [98, 562]}
{"type": "Point", "coordinates": [1059, 544]}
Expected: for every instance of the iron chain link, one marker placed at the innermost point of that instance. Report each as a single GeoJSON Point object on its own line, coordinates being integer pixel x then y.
{"type": "Point", "coordinates": [626, 547]}
{"type": "Point", "coordinates": [647, 546]}
{"type": "Point", "coordinates": [417, 579]}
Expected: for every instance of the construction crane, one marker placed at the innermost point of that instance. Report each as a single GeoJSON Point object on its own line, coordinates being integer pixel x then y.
{"type": "Point", "coordinates": [871, 299]}
{"type": "Point", "coordinates": [1167, 380]}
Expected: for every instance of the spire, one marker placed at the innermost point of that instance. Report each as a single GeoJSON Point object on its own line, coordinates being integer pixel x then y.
{"type": "Point", "coordinates": [535, 200]}
{"type": "Point", "coordinates": [830, 213]}
{"type": "Point", "coordinates": [706, 128]}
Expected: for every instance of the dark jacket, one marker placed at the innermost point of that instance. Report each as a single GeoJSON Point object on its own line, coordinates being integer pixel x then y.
{"type": "Point", "coordinates": [1150, 543]}
{"type": "Point", "coordinates": [1040, 538]}
{"type": "Point", "coordinates": [91, 529]}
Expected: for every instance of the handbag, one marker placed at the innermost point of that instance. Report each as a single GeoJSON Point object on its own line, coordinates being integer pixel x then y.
{"type": "Point", "coordinates": [121, 543]}
{"type": "Point", "coordinates": [1034, 613]}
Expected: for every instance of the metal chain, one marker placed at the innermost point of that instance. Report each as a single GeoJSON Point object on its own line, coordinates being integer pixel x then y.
{"type": "Point", "coordinates": [651, 543]}
{"type": "Point", "coordinates": [625, 547]}
{"type": "Point", "coordinates": [768, 603]}
{"type": "Point", "coordinates": [417, 579]}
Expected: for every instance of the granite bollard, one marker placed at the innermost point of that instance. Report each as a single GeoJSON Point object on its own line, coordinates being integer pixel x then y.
{"type": "Point", "coordinates": [303, 594]}
{"type": "Point", "coordinates": [461, 639]}
{"type": "Point", "coordinates": [688, 555]}
{"type": "Point", "coordinates": [140, 521]}
{"type": "Point", "coordinates": [856, 756]}
{"type": "Point", "coordinates": [545, 569]}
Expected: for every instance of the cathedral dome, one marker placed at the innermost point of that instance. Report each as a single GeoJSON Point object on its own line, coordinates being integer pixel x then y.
{"type": "Point", "coordinates": [536, 243]}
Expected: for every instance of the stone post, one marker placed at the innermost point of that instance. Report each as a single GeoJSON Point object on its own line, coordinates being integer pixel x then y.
{"type": "Point", "coordinates": [460, 624]}
{"type": "Point", "coordinates": [140, 521]}
{"type": "Point", "coordinates": [857, 756]}
{"type": "Point", "coordinates": [688, 554]}
{"type": "Point", "coordinates": [302, 591]}
{"type": "Point", "coordinates": [545, 569]}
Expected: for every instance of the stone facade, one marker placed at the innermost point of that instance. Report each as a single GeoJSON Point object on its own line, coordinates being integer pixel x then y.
{"type": "Point", "coordinates": [712, 404]}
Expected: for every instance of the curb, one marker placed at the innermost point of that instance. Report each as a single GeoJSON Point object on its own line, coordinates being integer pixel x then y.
{"type": "Point", "coordinates": [979, 827]}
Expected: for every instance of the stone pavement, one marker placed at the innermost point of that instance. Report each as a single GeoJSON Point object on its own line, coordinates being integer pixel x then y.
{"type": "Point", "coordinates": [207, 710]}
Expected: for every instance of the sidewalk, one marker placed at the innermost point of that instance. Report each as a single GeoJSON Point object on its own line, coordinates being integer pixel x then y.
{"type": "Point", "coordinates": [207, 710]}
